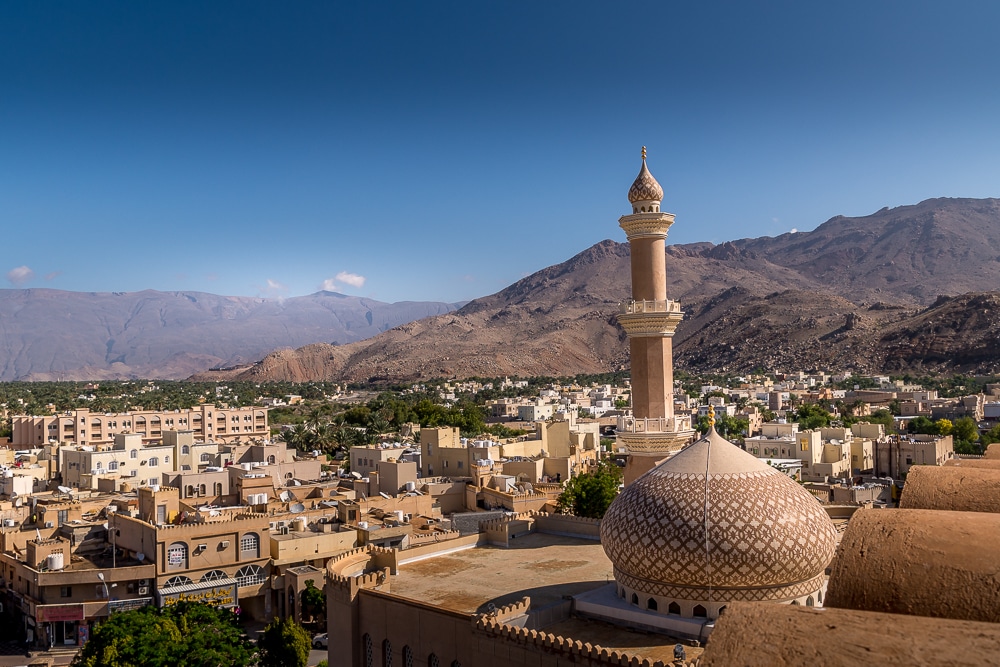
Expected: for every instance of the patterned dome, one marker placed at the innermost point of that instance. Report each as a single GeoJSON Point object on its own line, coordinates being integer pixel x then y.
{"type": "Point", "coordinates": [645, 187]}
{"type": "Point", "coordinates": [713, 522]}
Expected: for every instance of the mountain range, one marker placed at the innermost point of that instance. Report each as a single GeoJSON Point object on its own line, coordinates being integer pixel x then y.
{"type": "Point", "coordinates": [57, 335]}
{"type": "Point", "coordinates": [907, 288]}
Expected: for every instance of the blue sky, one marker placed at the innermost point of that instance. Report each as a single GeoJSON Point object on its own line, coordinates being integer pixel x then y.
{"type": "Point", "coordinates": [443, 150]}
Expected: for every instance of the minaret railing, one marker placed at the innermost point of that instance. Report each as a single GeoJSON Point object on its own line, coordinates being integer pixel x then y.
{"type": "Point", "coordinates": [633, 306]}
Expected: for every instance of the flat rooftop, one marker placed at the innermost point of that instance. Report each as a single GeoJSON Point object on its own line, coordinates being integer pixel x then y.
{"type": "Point", "coordinates": [543, 567]}
{"type": "Point", "coordinates": [546, 568]}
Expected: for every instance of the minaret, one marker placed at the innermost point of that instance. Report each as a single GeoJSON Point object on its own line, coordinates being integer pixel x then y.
{"type": "Point", "coordinates": [649, 319]}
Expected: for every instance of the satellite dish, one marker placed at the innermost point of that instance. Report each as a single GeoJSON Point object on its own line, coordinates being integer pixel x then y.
{"type": "Point", "coordinates": [140, 556]}
{"type": "Point", "coordinates": [297, 508]}
{"type": "Point", "coordinates": [65, 489]}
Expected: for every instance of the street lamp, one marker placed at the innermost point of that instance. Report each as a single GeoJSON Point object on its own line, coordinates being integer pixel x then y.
{"type": "Point", "coordinates": [107, 595]}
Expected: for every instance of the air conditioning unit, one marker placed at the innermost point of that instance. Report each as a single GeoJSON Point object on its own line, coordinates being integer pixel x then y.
{"type": "Point", "coordinates": [224, 544]}
{"type": "Point", "coordinates": [202, 547]}
{"type": "Point", "coordinates": [143, 590]}
{"type": "Point", "coordinates": [144, 582]}
{"type": "Point", "coordinates": [49, 524]}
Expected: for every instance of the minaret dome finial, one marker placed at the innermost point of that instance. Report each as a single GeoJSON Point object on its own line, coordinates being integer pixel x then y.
{"type": "Point", "coordinates": [643, 153]}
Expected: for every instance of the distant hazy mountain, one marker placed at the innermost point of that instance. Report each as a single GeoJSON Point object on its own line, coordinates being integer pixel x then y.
{"type": "Point", "coordinates": [850, 294]}
{"type": "Point", "coordinates": [50, 334]}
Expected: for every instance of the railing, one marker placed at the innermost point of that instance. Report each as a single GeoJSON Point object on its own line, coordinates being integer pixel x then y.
{"type": "Point", "coordinates": [653, 424]}
{"type": "Point", "coordinates": [649, 306]}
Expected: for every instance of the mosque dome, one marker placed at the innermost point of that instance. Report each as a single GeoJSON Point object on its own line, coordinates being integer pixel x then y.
{"type": "Point", "coordinates": [645, 187]}
{"type": "Point", "coordinates": [713, 523]}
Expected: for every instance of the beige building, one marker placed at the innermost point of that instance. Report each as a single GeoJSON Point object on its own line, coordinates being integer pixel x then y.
{"type": "Point", "coordinates": [896, 454]}
{"type": "Point", "coordinates": [82, 427]}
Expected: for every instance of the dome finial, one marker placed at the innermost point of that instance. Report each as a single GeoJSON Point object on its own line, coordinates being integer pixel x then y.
{"type": "Point", "coordinates": [643, 153]}
{"type": "Point", "coordinates": [711, 416]}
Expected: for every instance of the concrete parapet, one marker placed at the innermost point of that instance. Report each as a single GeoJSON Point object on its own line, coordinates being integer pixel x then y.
{"type": "Point", "coordinates": [955, 488]}
{"type": "Point", "coordinates": [920, 562]}
{"type": "Point", "coordinates": [581, 652]}
{"type": "Point", "coordinates": [569, 525]}
{"type": "Point", "coordinates": [758, 634]}
{"type": "Point", "coordinates": [977, 462]}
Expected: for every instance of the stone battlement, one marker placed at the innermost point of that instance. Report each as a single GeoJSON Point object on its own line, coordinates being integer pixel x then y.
{"type": "Point", "coordinates": [564, 645]}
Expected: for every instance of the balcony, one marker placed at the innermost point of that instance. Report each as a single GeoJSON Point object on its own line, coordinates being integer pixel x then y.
{"type": "Point", "coordinates": [633, 306]}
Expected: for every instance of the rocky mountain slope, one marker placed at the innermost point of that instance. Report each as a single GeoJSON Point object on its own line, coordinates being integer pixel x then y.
{"type": "Point", "coordinates": [850, 294]}
{"type": "Point", "coordinates": [50, 334]}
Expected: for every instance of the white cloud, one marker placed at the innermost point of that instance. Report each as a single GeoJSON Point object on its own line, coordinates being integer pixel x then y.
{"type": "Point", "coordinates": [272, 289]}
{"type": "Point", "coordinates": [20, 275]}
{"type": "Point", "coordinates": [53, 275]}
{"type": "Point", "coordinates": [328, 285]}
{"type": "Point", "coordinates": [352, 279]}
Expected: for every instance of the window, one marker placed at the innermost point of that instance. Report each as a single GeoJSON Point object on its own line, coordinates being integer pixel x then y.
{"type": "Point", "coordinates": [214, 575]}
{"type": "Point", "coordinates": [202, 490]}
{"type": "Point", "coordinates": [651, 604]}
{"type": "Point", "coordinates": [635, 599]}
{"type": "Point", "coordinates": [177, 581]}
{"type": "Point", "coordinates": [218, 488]}
{"type": "Point", "coordinates": [250, 546]}
{"type": "Point", "coordinates": [113, 465]}
{"type": "Point", "coordinates": [459, 465]}
{"type": "Point", "coordinates": [154, 461]}
{"type": "Point", "coordinates": [432, 661]}
{"type": "Point", "coordinates": [177, 555]}
{"type": "Point", "coordinates": [407, 657]}
{"type": "Point", "coordinates": [62, 516]}
{"type": "Point", "coordinates": [166, 459]}
{"type": "Point", "coordinates": [674, 608]}
{"type": "Point", "coordinates": [369, 654]}
{"type": "Point", "coordinates": [98, 465]}
{"type": "Point", "coordinates": [65, 591]}
{"type": "Point", "coordinates": [153, 481]}
{"type": "Point", "coordinates": [700, 612]}
{"type": "Point", "coordinates": [189, 490]}
{"type": "Point", "coordinates": [249, 575]}
{"type": "Point", "coordinates": [185, 450]}
{"type": "Point", "coordinates": [134, 454]}
{"type": "Point", "coordinates": [206, 458]}
{"type": "Point", "coordinates": [386, 653]}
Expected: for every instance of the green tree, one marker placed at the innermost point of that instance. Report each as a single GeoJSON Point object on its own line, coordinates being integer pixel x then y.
{"type": "Point", "coordinates": [590, 494]}
{"type": "Point", "coordinates": [812, 416]}
{"type": "Point", "coordinates": [193, 634]}
{"type": "Point", "coordinates": [966, 429]}
{"type": "Point", "coordinates": [284, 643]}
{"type": "Point", "coordinates": [313, 600]}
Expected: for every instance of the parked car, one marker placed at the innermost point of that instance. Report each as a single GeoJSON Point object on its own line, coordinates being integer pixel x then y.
{"type": "Point", "coordinates": [319, 641]}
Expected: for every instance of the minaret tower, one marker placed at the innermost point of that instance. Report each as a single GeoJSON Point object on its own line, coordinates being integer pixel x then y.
{"type": "Point", "coordinates": [649, 319]}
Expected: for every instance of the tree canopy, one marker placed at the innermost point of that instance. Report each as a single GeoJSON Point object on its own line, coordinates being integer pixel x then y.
{"type": "Point", "coordinates": [284, 643]}
{"type": "Point", "coordinates": [190, 634]}
{"type": "Point", "coordinates": [590, 494]}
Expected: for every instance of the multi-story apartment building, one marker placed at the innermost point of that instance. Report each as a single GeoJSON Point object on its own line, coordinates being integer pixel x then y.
{"type": "Point", "coordinates": [83, 427]}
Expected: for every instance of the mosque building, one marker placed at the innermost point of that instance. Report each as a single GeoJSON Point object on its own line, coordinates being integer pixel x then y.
{"type": "Point", "coordinates": [704, 542]}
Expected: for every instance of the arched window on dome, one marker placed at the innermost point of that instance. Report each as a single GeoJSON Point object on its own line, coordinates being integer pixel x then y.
{"type": "Point", "coordinates": [722, 609]}
{"type": "Point", "coordinates": [635, 599]}
{"type": "Point", "coordinates": [700, 612]}
{"type": "Point", "coordinates": [432, 661]}
{"type": "Point", "coordinates": [366, 640]}
{"type": "Point", "coordinates": [819, 596]}
{"type": "Point", "coordinates": [674, 608]}
{"type": "Point", "coordinates": [623, 592]}
{"type": "Point", "coordinates": [795, 602]}
{"type": "Point", "coordinates": [810, 602]}
{"type": "Point", "coordinates": [651, 604]}
{"type": "Point", "coordinates": [386, 653]}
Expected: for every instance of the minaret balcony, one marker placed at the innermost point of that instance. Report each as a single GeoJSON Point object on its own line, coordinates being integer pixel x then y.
{"type": "Point", "coordinates": [646, 225]}
{"type": "Point", "coordinates": [650, 318]}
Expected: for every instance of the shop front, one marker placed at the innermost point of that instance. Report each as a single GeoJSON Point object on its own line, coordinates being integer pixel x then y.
{"type": "Point", "coordinates": [62, 624]}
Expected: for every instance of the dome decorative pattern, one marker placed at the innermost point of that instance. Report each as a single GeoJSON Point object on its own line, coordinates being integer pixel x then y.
{"type": "Point", "coordinates": [713, 521]}
{"type": "Point", "coordinates": [645, 187]}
